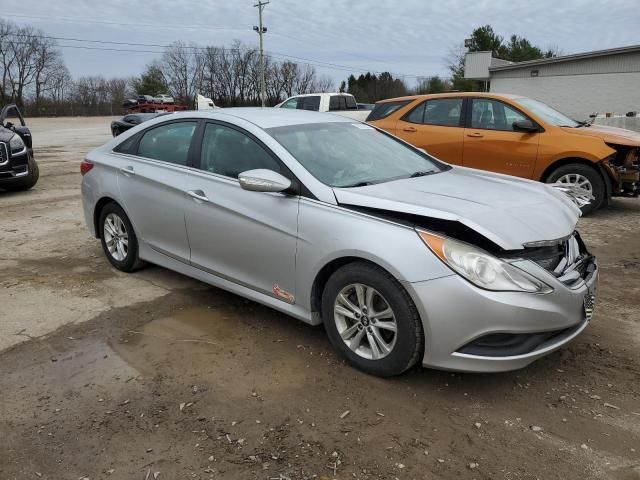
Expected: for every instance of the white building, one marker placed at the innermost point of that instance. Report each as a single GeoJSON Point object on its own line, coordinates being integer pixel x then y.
{"type": "Point", "coordinates": [605, 81]}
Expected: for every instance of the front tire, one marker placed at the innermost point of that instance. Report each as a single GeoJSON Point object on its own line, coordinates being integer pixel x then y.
{"type": "Point", "coordinates": [119, 241]}
{"type": "Point", "coordinates": [585, 177]}
{"type": "Point", "coordinates": [371, 320]}
{"type": "Point", "coordinates": [28, 181]}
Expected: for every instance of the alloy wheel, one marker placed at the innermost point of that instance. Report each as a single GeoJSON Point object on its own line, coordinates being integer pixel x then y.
{"type": "Point", "coordinates": [576, 180]}
{"type": "Point", "coordinates": [365, 321]}
{"type": "Point", "coordinates": [116, 237]}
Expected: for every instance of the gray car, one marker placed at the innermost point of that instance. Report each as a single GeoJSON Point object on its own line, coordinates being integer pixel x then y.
{"type": "Point", "coordinates": [403, 258]}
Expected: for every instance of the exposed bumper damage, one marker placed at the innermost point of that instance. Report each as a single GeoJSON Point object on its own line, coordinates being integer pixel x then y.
{"type": "Point", "coordinates": [509, 330]}
{"type": "Point", "coordinates": [623, 168]}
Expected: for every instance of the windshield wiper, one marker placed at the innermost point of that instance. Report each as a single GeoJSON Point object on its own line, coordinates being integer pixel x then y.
{"type": "Point", "coordinates": [358, 184]}
{"type": "Point", "coordinates": [422, 173]}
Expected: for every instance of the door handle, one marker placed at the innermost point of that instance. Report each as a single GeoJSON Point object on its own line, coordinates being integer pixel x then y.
{"type": "Point", "coordinates": [128, 170]}
{"type": "Point", "coordinates": [409, 129]}
{"type": "Point", "coordinates": [198, 195]}
{"type": "Point", "coordinates": [475, 135]}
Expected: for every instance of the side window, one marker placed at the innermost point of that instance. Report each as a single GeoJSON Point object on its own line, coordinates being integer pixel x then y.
{"type": "Point", "coordinates": [443, 111]}
{"type": "Point", "coordinates": [291, 103]}
{"type": "Point", "coordinates": [383, 110]}
{"type": "Point", "coordinates": [493, 115]}
{"type": "Point", "coordinates": [169, 142]}
{"type": "Point", "coordinates": [228, 152]}
{"type": "Point", "coordinates": [351, 103]}
{"type": "Point", "coordinates": [336, 102]}
{"type": "Point", "coordinates": [416, 115]}
{"type": "Point", "coordinates": [129, 145]}
{"type": "Point", "coordinates": [311, 103]}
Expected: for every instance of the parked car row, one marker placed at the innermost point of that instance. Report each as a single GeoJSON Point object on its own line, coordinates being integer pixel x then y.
{"type": "Point", "coordinates": [163, 98]}
{"type": "Point", "coordinates": [404, 258]}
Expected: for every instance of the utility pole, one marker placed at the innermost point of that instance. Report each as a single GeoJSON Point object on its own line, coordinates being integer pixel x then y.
{"type": "Point", "coordinates": [261, 30]}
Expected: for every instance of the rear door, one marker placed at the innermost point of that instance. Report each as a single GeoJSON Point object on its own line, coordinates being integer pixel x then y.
{"type": "Point", "coordinates": [246, 237]}
{"type": "Point", "coordinates": [152, 177]}
{"type": "Point", "coordinates": [435, 125]}
{"type": "Point", "coordinates": [490, 142]}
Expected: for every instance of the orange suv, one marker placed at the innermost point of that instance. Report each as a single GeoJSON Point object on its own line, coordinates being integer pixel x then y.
{"type": "Point", "coordinates": [517, 136]}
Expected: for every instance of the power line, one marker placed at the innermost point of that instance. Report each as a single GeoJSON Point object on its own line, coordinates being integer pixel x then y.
{"type": "Point", "coordinates": [195, 48]}
{"type": "Point", "coordinates": [126, 24]}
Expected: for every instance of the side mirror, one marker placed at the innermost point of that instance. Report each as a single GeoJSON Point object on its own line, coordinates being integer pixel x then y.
{"type": "Point", "coordinates": [525, 126]}
{"type": "Point", "coordinates": [263, 180]}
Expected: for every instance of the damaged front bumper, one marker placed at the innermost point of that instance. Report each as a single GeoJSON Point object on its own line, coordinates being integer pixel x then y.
{"type": "Point", "coordinates": [623, 168]}
{"type": "Point", "coordinates": [486, 331]}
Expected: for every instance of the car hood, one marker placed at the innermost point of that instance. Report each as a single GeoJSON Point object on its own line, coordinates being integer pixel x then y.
{"type": "Point", "coordinates": [6, 134]}
{"type": "Point", "coordinates": [617, 136]}
{"type": "Point", "coordinates": [509, 211]}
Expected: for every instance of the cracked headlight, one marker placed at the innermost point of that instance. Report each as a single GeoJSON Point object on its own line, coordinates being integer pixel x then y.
{"type": "Point", "coordinates": [481, 268]}
{"type": "Point", "coordinates": [16, 144]}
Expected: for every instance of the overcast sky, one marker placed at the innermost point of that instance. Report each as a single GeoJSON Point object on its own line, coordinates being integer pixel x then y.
{"type": "Point", "coordinates": [408, 37]}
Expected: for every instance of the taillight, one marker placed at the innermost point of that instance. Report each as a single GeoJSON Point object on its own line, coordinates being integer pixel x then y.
{"type": "Point", "coordinates": [85, 166]}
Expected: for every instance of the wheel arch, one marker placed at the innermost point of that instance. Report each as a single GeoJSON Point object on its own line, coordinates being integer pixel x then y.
{"type": "Point", "coordinates": [325, 272]}
{"type": "Point", "coordinates": [597, 166]}
{"type": "Point", "coordinates": [100, 204]}
{"type": "Point", "coordinates": [567, 161]}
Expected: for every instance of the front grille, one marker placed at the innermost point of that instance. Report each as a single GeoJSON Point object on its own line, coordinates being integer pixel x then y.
{"type": "Point", "coordinates": [569, 260]}
{"type": "Point", "coordinates": [4, 153]}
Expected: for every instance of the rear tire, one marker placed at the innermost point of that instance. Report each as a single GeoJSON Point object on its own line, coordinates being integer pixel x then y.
{"type": "Point", "coordinates": [360, 323]}
{"type": "Point", "coordinates": [578, 173]}
{"type": "Point", "coordinates": [119, 241]}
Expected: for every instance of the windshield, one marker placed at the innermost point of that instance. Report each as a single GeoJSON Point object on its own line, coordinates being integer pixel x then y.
{"type": "Point", "coordinates": [546, 113]}
{"type": "Point", "coordinates": [343, 154]}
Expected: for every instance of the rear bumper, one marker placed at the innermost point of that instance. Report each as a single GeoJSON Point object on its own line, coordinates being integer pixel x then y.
{"type": "Point", "coordinates": [457, 315]}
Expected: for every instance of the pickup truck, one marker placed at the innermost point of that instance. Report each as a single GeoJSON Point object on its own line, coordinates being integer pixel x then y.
{"type": "Point", "coordinates": [341, 103]}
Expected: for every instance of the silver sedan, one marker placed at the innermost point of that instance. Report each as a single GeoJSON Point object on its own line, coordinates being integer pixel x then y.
{"type": "Point", "coordinates": [403, 258]}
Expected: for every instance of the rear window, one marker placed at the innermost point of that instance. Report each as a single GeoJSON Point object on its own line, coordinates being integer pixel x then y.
{"type": "Point", "coordinates": [310, 103]}
{"type": "Point", "coordinates": [383, 110]}
{"type": "Point", "coordinates": [351, 103]}
{"type": "Point", "coordinates": [337, 103]}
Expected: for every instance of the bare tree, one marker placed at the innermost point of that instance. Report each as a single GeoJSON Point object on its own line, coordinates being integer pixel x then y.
{"type": "Point", "coordinates": [305, 79]}
{"type": "Point", "coordinates": [182, 65]}
{"type": "Point", "coordinates": [323, 84]}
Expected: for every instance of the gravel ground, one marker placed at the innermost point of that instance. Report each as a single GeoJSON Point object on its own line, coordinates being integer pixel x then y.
{"type": "Point", "coordinates": [108, 375]}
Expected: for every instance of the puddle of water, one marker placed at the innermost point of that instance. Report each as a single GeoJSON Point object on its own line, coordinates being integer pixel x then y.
{"type": "Point", "coordinates": [218, 346]}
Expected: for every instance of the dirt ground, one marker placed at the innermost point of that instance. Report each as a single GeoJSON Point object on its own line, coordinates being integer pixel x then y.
{"type": "Point", "coordinates": [154, 375]}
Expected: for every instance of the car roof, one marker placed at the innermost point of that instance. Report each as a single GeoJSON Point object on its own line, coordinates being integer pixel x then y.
{"type": "Point", "coordinates": [268, 117]}
{"type": "Point", "coordinates": [321, 93]}
{"type": "Point", "coordinates": [454, 94]}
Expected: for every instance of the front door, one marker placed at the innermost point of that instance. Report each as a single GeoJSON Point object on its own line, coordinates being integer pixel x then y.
{"type": "Point", "coordinates": [246, 237]}
{"type": "Point", "coordinates": [490, 142]}
{"type": "Point", "coordinates": [152, 179]}
{"type": "Point", "coordinates": [435, 126]}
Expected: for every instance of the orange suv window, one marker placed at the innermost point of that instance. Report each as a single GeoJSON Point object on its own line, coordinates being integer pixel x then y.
{"type": "Point", "coordinates": [494, 115]}
{"type": "Point", "coordinates": [442, 111]}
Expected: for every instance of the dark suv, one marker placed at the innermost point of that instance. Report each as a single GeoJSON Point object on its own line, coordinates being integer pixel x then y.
{"type": "Point", "coordinates": [18, 169]}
